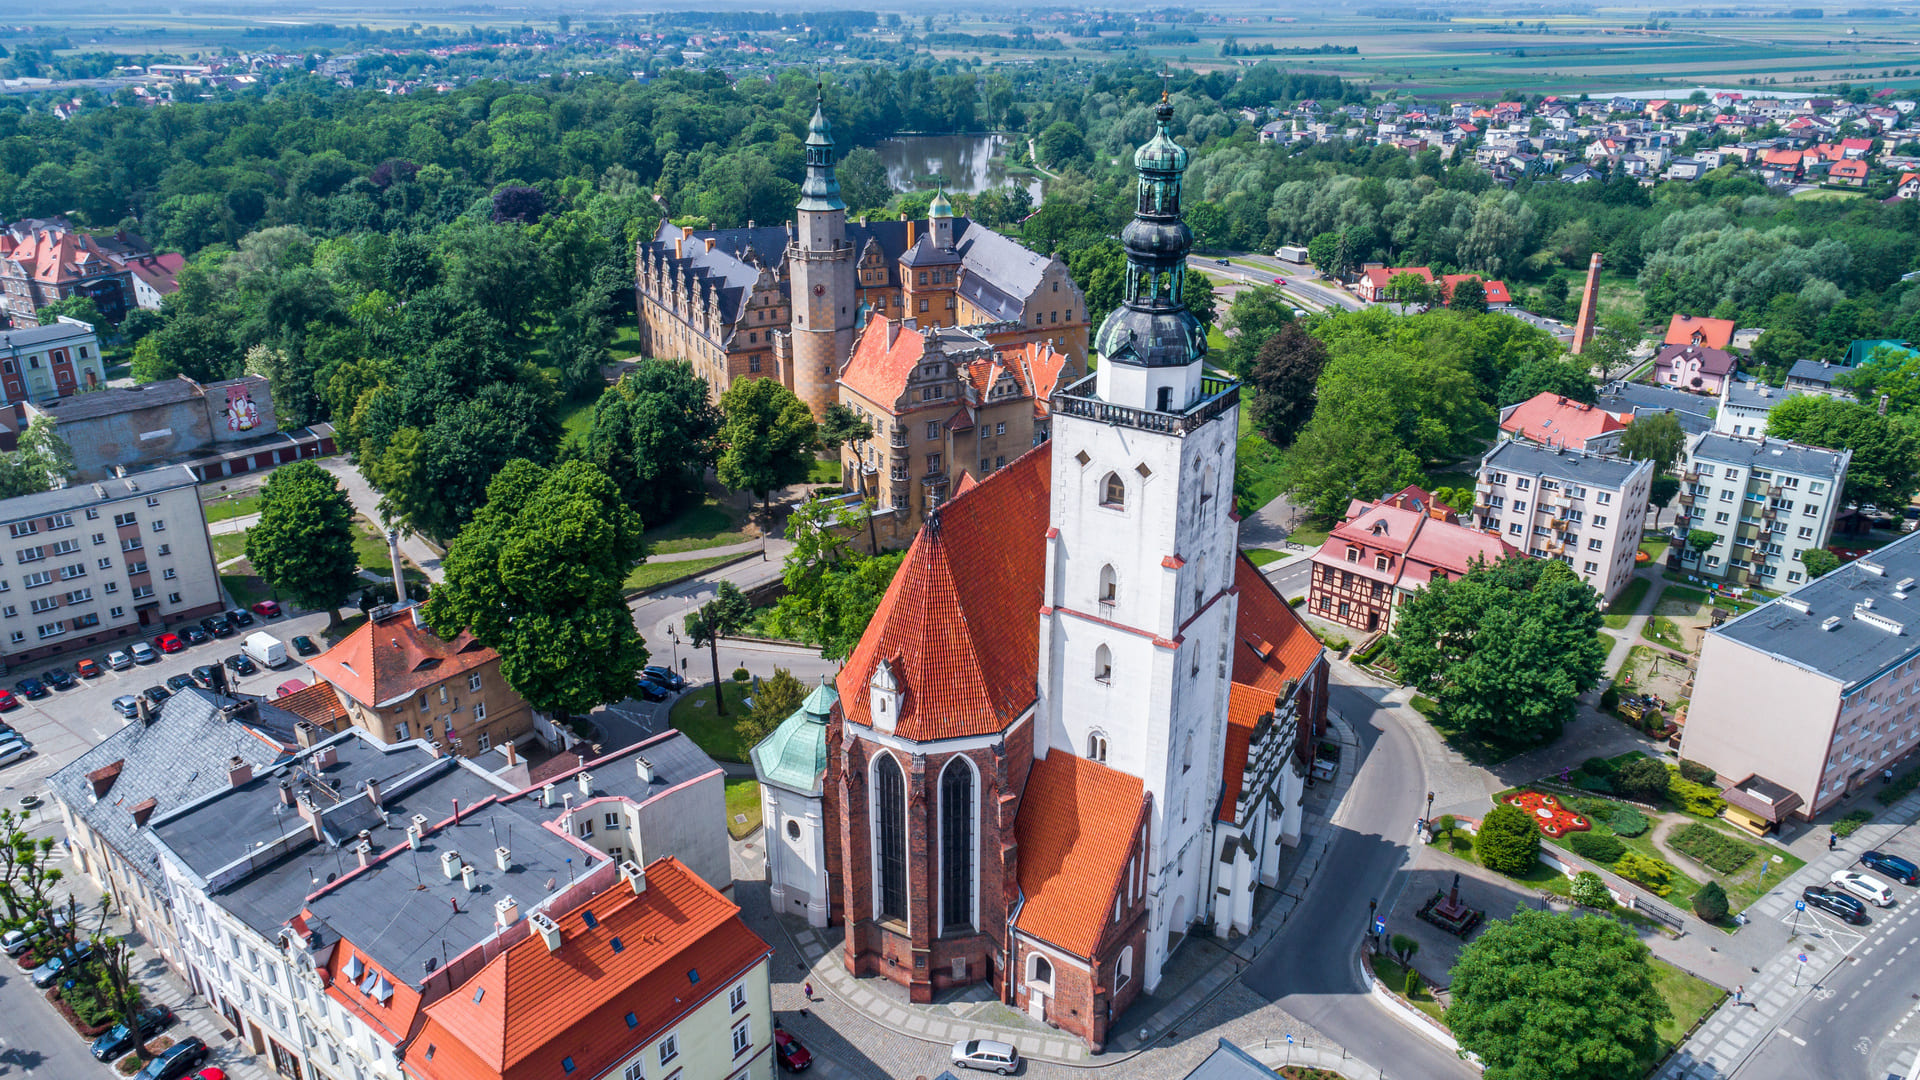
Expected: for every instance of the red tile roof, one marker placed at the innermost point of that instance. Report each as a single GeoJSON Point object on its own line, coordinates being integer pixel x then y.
{"type": "Point", "coordinates": [1379, 276]}
{"type": "Point", "coordinates": [1496, 290]}
{"type": "Point", "coordinates": [960, 623]}
{"type": "Point", "coordinates": [393, 659]}
{"type": "Point", "coordinates": [317, 703]}
{"type": "Point", "coordinates": [1848, 168]}
{"type": "Point", "coordinates": [1714, 333]}
{"type": "Point", "coordinates": [1273, 646]}
{"type": "Point", "coordinates": [882, 358]}
{"type": "Point", "coordinates": [1077, 825]}
{"type": "Point", "coordinates": [539, 1006]}
{"type": "Point", "coordinates": [1034, 367]}
{"type": "Point", "coordinates": [1551, 419]}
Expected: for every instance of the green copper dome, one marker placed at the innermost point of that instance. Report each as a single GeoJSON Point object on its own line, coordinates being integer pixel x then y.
{"type": "Point", "coordinates": [795, 755]}
{"type": "Point", "coordinates": [940, 207]}
{"type": "Point", "coordinates": [820, 190]}
{"type": "Point", "coordinates": [1161, 153]}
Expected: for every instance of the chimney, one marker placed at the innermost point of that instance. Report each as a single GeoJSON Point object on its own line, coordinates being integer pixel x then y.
{"type": "Point", "coordinates": [506, 911]}
{"type": "Point", "coordinates": [913, 228]}
{"type": "Point", "coordinates": [644, 769]}
{"type": "Point", "coordinates": [548, 930]}
{"type": "Point", "coordinates": [413, 837]}
{"type": "Point", "coordinates": [1589, 307]}
{"type": "Point", "coordinates": [469, 876]}
{"type": "Point", "coordinates": [364, 849]}
{"type": "Point", "coordinates": [102, 778]}
{"type": "Point", "coordinates": [420, 822]}
{"type": "Point", "coordinates": [512, 752]}
{"type": "Point", "coordinates": [632, 873]}
{"type": "Point", "coordinates": [305, 733]}
{"type": "Point", "coordinates": [238, 771]}
{"type": "Point", "coordinates": [286, 793]}
{"type": "Point", "coordinates": [373, 791]}
{"type": "Point", "coordinates": [143, 810]}
{"type": "Point", "coordinates": [450, 864]}
{"type": "Point", "coordinates": [327, 758]}
{"type": "Point", "coordinates": [709, 243]}
{"type": "Point", "coordinates": [311, 815]}
{"type": "Point", "coordinates": [144, 708]}
{"type": "Point", "coordinates": [676, 248]}
{"type": "Point", "coordinates": [502, 858]}
{"type": "Point", "coordinates": [585, 780]}
{"type": "Point", "coordinates": [546, 795]}
{"type": "Point", "coordinates": [686, 232]}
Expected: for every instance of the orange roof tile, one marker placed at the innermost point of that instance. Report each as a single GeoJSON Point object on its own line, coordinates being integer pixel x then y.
{"type": "Point", "coordinates": [960, 623]}
{"type": "Point", "coordinates": [1549, 418]}
{"type": "Point", "coordinates": [539, 1006]}
{"type": "Point", "coordinates": [882, 360]}
{"type": "Point", "coordinates": [390, 660]}
{"type": "Point", "coordinates": [317, 703]}
{"type": "Point", "coordinates": [1077, 824]}
{"type": "Point", "coordinates": [1714, 333]}
{"type": "Point", "coordinates": [1273, 646]}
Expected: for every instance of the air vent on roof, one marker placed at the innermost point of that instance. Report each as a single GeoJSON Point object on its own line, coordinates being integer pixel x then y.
{"type": "Point", "coordinates": [1875, 619]}
{"type": "Point", "coordinates": [1796, 604]}
{"type": "Point", "coordinates": [1832, 622]}
{"type": "Point", "coordinates": [1870, 566]}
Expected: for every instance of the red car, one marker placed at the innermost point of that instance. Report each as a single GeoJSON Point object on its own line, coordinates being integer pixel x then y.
{"type": "Point", "coordinates": [7, 701]}
{"type": "Point", "coordinates": [169, 643]}
{"type": "Point", "coordinates": [87, 669]}
{"type": "Point", "coordinates": [789, 1052]}
{"type": "Point", "coordinates": [1279, 281]}
{"type": "Point", "coordinates": [267, 609]}
{"type": "Point", "coordinates": [211, 1072]}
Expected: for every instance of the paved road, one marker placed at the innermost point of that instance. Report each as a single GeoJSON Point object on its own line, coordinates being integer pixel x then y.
{"type": "Point", "coordinates": [1311, 971]}
{"type": "Point", "coordinates": [1302, 282]}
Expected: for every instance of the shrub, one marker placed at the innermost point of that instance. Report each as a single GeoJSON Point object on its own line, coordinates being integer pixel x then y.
{"type": "Point", "coordinates": [1597, 766]}
{"type": "Point", "coordinates": [1597, 846]}
{"type": "Point", "coordinates": [1413, 982]}
{"type": "Point", "coordinates": [1609, 699]}
{"type": "Point", "coordinates": [1626, 821]}
{"type": "Point", "coordinates": [1652, 873]}
{"type": "Point", "coordinates": [1700, 800]}
{"type": "Point", "coordinates": [1696, 772]}
{"type": "Point", "coordinates": [1296, 601]}
{"type": "Point", "coordinates": [1589, 891]}
{"type": "Point", "coordinates": [1898, 789]}
{"type": "Point", "coordinates": [740, 674]}
{"type": "Point", "coordinates": [1850, 824]}
{"type": "Point", "coordinates": [1710, 903]}
{"type": "Point", "coordinates": [1601, 810]}
{"type": "Point", "coordinates": [1715, 850]}
{"type": "Point", "coordinates": [1508, 840]}
{"type": "Point", "coordinates": [1642, 778]}
{"type": "Point", "coordinates": [1593, 783]}
{"type": "Point", "coordinates": [1443, 825]}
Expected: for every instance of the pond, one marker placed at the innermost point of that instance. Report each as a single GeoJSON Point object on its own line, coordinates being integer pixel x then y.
{"type": "Point", "coordinates": [969, 163]}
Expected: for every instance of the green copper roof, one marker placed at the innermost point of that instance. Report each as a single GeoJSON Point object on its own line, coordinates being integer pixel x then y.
{"type": "Point", "coordinates": [940, 207]}
{"type": "Point", "coordinates": [820, 190]}
{"type": "Point", "coordinates": [795, 755]}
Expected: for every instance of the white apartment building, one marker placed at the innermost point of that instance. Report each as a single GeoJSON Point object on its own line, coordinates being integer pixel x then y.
{"type": "Point", "coordinates": [1744, 407]}
{"type": "Point", "coordinates": [1818, 691]}
{"type": "Point", "coordinates": [1766, 501]}
{"type": "Point", "coordinates": [94, 563]}
{"type": "Point", "coordinates": [1586, 510]}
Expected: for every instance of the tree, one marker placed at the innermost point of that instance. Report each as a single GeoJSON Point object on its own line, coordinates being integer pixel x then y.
{"type": "Point", "coordinates": [41, 458]}
{"type": "Point", "coordinates": [725, 614]}
{"type": "Point", "coordinates": [78, 306]}
{"type": "Point", "coordinates": [1063, 146]}
{"type": "Point", "coordinates": [1255, 316]}
{"type": "Point", "coordinates": [1886, 451]}
{"type": "Point", "coordinates": [1469, 296]}
{"type": "Point", "coordinates": [863, 180]}
{"type": "Point", "coordinates": [1589, 890]}
{"type": "Point", "coordinates": [653, 435]}
{"type": "Point", "coordinates": [832, 590]}
{"type": "Point", "coordinates": [1661, 493]}
{"type": "Point", "coordinates": [1410, 289]}
{"type": "Point", "coordinates": [1610, 349]}
{"type": "Point", "coordinates": [1569, 379]}
{"type": "Point", "coordinates": [303, 543]}
{"type": "Point", "coordinates": [841, 425]}
{"type": "Point", "coordinates": [1701, 539]}
{"type": "Point", "coordinates": [1819, 561]}
{"type": "Point", "coordinates": [1284, 376]}
{"type": "Point", "coordinates": [113, 968]}
{"type": "Point", "coordinates": [767, 437]}
{"type": "Point", "coordinates": [1196, 291]}
{"type": "Point", "coordinates": [27, 873]}
{"type": "Point", "coordinates": [1710, 903]}
{"type": "Point", "coordinates": [1656, 438]}
{"type": "Point", "coordinates": [537, 575]}
{"type": "Point", "coordinates": [1643, 778]}
{"type": "Point", "coordinates": [1507, 649]}
{"type": "Point", "coordinates": [1563, 996]}
{"type": "Point", "coordinates": [777, 697]}
{"type": "Point", "coordinates": [1323, 252]}
{"type": "Point", "coordinates": [1508, 840]}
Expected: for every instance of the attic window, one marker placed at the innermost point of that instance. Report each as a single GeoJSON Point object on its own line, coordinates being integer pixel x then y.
{"type": "Point", "coordinates": [1379, 528]}
{"type": "Point", "coordinates": [693, 975]}
{"type": "Point", "coordinates": [632, 1021]}
{"type": "Point", "coordinates": [588, 918]}
{"type": "Point", "coordinates": [478, 994]}
{"type": "Point", "coordinates": [430, 1049]}
{"type": "Point", "coordinates": [355, 967]}
{"type": "Point", "coordinates": [618, 946]}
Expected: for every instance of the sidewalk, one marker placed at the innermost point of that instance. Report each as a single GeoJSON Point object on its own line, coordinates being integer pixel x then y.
{"type": "Point", "coordinates": [1191, 981]}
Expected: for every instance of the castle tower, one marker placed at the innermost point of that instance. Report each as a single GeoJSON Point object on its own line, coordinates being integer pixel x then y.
{"type": "Point", "coordinates": [940, 220]}
{"type": "Point", "coordinates": [821, 264]}
{"type": "Point", "coordinates": [1138, 614]}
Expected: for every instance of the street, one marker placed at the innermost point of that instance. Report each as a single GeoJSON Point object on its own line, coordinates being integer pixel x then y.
{"type": "Point", "coordinates": [1303, 282]}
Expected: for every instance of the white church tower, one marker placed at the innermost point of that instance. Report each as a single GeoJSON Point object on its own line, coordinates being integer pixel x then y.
{"type": "Point", "coordinates": [1137, 622]}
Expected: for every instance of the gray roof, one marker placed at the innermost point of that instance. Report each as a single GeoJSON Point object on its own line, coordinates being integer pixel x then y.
{"type": "Point", "coordinates": [1229, 1062]}
{"type": "Point", "coordinates": [115, 400]}
{"type": "Point", "coordinates": [183, 754]}
{"type": "Point", "coordinates": [1815, 371]}
{"type": "Point", "coordinates": [674, 758]}
{"type": "Point", "coordinates": [1012, 270]}
{"type": "Point", "coordinates": [1694, 410]}
{"type": "Point", "coordinates": [1597, 470]}
{"type": "Point", "coordinates": [1774, 455]}
{"type": "Point", "coordinates": [1863, 641]}
{"type": "Point", "coordinates": [1745, 394]}
{"type": "Point", "coordinates": [79, 496]}
{"type": "Point", "coordinates": [33, 337]}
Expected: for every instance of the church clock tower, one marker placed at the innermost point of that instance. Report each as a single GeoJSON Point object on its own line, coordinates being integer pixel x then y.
{"type": "Point", "coordinates": [821, 264]}
{"type": "Point", "coordinates": [1137, 616]}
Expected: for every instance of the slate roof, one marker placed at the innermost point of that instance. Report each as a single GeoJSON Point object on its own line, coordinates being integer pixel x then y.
{"type": "Point", "coordinates": [1229, 1062]}
{"type": "Point", "coordinates": [1815, 371]}
{"type": "Point", "coordinates": [675, 760]}
{"type": "Point", "coordinates": [1076, 826]}
{"type": "Point", "coordinates": [999, 273]}
{"type": "Point", "coordinates": [1864, 642]}
{"type": "Point", "coordinates": [391, 660]}
{"type": "Point", "coordinates": [1746, 394]}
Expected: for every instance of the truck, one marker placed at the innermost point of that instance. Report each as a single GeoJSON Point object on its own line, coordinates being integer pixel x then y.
{"type": "Point", "coordinates": [1291, 254]}
{"type": "Point", "coordinates": [266, 650]}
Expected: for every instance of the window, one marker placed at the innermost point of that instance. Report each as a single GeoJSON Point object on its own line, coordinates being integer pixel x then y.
{"type": "Point", "coordinates": [1592, 567]}
{"type": "Point", "coordinates": [742, 1037]}
{"type": "Point", "coordinates": [1522, 484]}
{"type": "Point", "coordinates": [669, 1049]}
{"type": "Point", "coordinates": [999, 429]}
{"type": "Point", "coordinates": [956, 847]}
{"type": "Point", "coordinates": [173, 598]}
{"type": "Point", "coordinates": [52, 629]}
{"type": "Point", "coordinates": [10, 611]}
{"type": "Point", "coordinates": [400, 731]}
{"type": "Point", "coordinates": [1721, 517]}
{"type": "Point", "coordinates": [479, 710]}
{"type": "Point", "coordinates": [1097, 747]}
{"type": "Point", "coordinates": [159, 526]}
{"type": "Point", "coordinates": [45, 603]}
{"type": "Point", "coordinates": [933, 429]}
{"type": "Point", "coordinates": [112, 613]}
{"type": "Point", "coordinates": [586, 828]}
{"type": "Point", "coordinates": [566, 1065]}
{"type": "Point", "coordinates": [486, 742]}
{"type": "Point", "coordinates": [1599, 521]}
{"type": "Point", "coordinates": [1593, 545]}
{"type": "Point", "coordinates": [142, 592]}
{"type": "Point", "coordinates": [1103, 664]}
{"type": "Point", "coordinates": [889, 794]}
{"type": "Point", "coordinates": [637, 1070]}
{"type": "Point", "coordinates": [423, 703]}
{"type": "Point", "coordinates": [131, 544]}
{"type": "Point", "coordinates": [99, 538]}
{"type": "Point", "coordinates": [34, 581]}
{"type": "Point", "coordinates": [123, 520]}
{"type": "Point", "coordinates": [23, 528]}
{"type": "Point", "coordinates": [1040, 971]}
{"type": "Point", "coordinates": [1123, 972]}
{"type": "Point", "coordinates": [737, 998]}
{"type": "Point", "coordinates": [167, 574]}
{"type": "Point", "coordinates": [612, 820]}
{"type": "Point", "coordinates": [473, 682]}
{"type": "Point", "coordinates": [1113, 492]}
{"type": "Point", "coordinates": [110, 588]}
{"type": "Point", "coordinates": [1109, 585]}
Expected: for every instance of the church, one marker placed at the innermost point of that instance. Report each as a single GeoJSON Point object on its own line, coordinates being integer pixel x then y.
{"type": "Point", "coordinates": [1080, 724]}
{"type": "Point", "coordinates": [784, 301]}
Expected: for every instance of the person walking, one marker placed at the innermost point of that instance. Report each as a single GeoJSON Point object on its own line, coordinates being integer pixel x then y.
{"type": "Point", "coordinates": [807, 989]}
{"type": "Point", "coordinates": [1739, 992]}
{"type": "Point", "coordinates": [1833, 841]}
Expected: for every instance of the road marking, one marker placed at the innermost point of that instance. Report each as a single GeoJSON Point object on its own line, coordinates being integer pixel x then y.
{"type": "Point", "coordinates": [1878, 970]}
{"type": "Point", "coordinates": [1785, 1034]}
{"type": "Point", "coordinates": [1863, 986]}
{"type": "Point", "coordinates": [1856, 993]}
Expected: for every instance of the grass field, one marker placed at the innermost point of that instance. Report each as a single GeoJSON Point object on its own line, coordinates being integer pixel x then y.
{"type": "Point", "coordinates": [652, 574]}
{"type": "Point", "coordinates": [1688, 997]}
{"type": "Point", "coordinates": [743, 808]}
{"type": "Point", "coordinates": [825, 471]}
{"type": "Point", "coordinates": [244, 587]}
{"type": "Point", "coordinates": [228, 546]}
{"type": "Point", "coordinates": [576, 417]}
{"type": "Point", "coordinates": [694, 714]}
{"type": "Point", "coordinates": [1389, 971]}
{"type": "Point", "coordinates": [711, 524]}
{"type": "Point", "coordinates": [231, 507]}
{"type": "Point", "coordinates": [1256, 478]}
{"type": "Point", "coordinates": [1664, 631]}
{"type": "Point", "coordinates": [1264, 556]}
{"type": "Point", "coordinates": [1617, 613]}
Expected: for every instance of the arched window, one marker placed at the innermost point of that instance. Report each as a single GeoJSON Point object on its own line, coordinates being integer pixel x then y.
{"type": "Point", "coordinates": [956, 847]}
{"type": "Point", "coordinates": [1113, 492]}
{"type": "Point", "coordinates": [1103, 664]}
{"type": "Point", "coordinates": [1097, 747]}
{"type": "Point", "coordinates": [1109, 585]}
{"type": "Point", "coordinates": [1123, 971]}
{"type": "Point", "coordinates": [1040, 971]}
{"type": "Point", "coordinates": [890, 809]}
{"type": "Point", "coordinates": [1186, 753]}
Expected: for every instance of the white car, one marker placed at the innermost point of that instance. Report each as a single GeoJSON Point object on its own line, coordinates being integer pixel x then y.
{"type": "Point", "coordinates": [1865, 886]}
{"type": "Point", "coordinates": [13, 750]}
{"type": "Point", "coordinates": [143, 653]}
{"type": "Point", "coordinates": [119, 661]}
{"type": "Point", "coordinates": [995, 1057]}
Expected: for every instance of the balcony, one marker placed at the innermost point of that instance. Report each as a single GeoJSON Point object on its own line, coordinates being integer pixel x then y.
{"type": "Point", "coordinates": [1558, 524]}
{"type": "Point", "coordinates": [1686, 498]}
{"type": "Point", "coordinates": [1217, 395]}
{"type": "Point", "coordinates": [1554, 546]}
{"type": "Point", "coordinates": [1690, 476]}
{"type": "Point", "coordinates": [1482, 487]}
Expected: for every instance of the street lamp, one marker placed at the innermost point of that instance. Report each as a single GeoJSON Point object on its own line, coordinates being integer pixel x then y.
{"type": "Point", "coordinates": [675, 638]}
{"type": "Point", "coordinates": [1372, 905]}
{"type": "Point", "coordinates": [1429, 818]}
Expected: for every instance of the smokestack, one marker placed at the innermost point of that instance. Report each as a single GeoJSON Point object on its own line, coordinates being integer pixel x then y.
{"type": "Point", "coordinates": [286, 793]}
{"type": "Point", "coordinates": [1589, 307]}
{"type": "Point", "coordinates": [373, 791]}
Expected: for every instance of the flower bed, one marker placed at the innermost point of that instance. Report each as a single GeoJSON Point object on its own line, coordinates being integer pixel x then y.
{"type": "Point", "coordinates": [1552, 818]}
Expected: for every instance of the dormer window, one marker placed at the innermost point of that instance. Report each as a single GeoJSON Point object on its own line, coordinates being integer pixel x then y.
{"type": "Point", "coordinates": [1382, 562]}
{"type": "Point", "coordinates": [883, 697]}
{"type": "Point", "coordinates": [1379, 528]}
{"type": "Point", "coordinates": [1353, 554]}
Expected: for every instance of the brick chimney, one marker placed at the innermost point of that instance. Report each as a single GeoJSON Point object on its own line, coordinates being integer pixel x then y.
{"type": "Point", "coordinates": [1589, 307]}
{"type": "Point", "coordinates": [238, 771]}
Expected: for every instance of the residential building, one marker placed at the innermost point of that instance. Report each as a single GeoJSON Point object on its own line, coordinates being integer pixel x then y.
{"type": "Point", "coordinates": [944, 404]}
{"type": "Point", "coordinates": [1861, 351]}
{"type": "Point", "coordinates": [1697, 368]}
{"type": "Point", "coordinates": [166, 423]}
{"type": "Point", "coordinates": [399, 680]}
{"type": "Point", "coordinates": [1817, 377]}
{"type": "Point", "coordinates": [1744, 405]}
{"type": "Point", "coordinates": [1814, 693]}
{"type": "Point", "coordinates": [1765, 501]}
{"type": "Point", "coordinates": [1908, 187]}
{"type": "Point", "coordinates": [1498, 299]}
{"type": "Point", "coordinates": [53, 361]}
{"type": "Point", "coordinates": [1382, 552]}
{"type": "Point", "coordinates": [784, 301]}
{"type": "Point", "coordinates": [1553, 420]}
{"type": "Point", "coordinates": [1849, 173]}
{"type": "Point", "coordinates": [43, 262]}
{"type": "Point", "coordinates": [1633, 399]}
{"type": "Point", "coordinates": [1709, 333]}
{"type": "Point", "coordinates": [1586, 510]}
{"type": "Point", "coordinates": [1372, 286]}
{"type": "Point", "coordinates": [97, 563]}
{"type": "Point", "coordinates": [154, 277]}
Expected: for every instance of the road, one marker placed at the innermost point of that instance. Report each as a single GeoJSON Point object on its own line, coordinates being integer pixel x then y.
{"type": "Point", "coordinates": [1311, 970]}
{"type": "Point", "coordinates": [1302, 281]}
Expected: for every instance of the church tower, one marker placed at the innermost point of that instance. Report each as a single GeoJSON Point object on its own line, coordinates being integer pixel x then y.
{"type": "Point", "coordinates": [821, 264]}
{"type": "Point", "coordinates": [1138, 611]}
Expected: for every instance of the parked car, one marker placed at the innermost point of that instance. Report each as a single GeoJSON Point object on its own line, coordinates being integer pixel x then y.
{"type": "Point", "coordinates": [304, 645]}
{"type": "Point", "coordinates": [217, 625]}
{"type": "Point", "coordinates": [203, 676]}
{"type": "Point", "coordinates": [58, 679]}
{"type": "Point", "coordinates": [195, 635]}
{"type": "Point", "coordinates": [267, 609]}
{"type": "Point", "coordinates": [787, 1050]}
{"type": "Point", "coordinates": [1865, 886]}
{"type": "Point", "coordinates": [1892, 866]}
{"type": "Point", "coordinates": [239, 617]}
{"type": "Point", "coordinates": [211, 1072]}
{"type": "Point", "coordinates": [119, 1038]}
{"type": "Point", "coordinates": [13, 750]}
{"type": "Point", "coordinates": [70, 957]}
{"type": "Point", "coordinates": [239, 664]}
{"type": "Point", "coordinates": [155, 695]}
{"type": "Point", "coordinates": [169, 643]}
{"type": "Point", "coordinates": [650, 690]}
{"type": "Point", "coordinates": [1223, 262]}
{"type": "Point", "coordinates": [987, 1055]}
{"type": "Point", "coordinates": [291, 686]}
{"type": "Point", "coordinates": [88, 669]}
{"type": "Point", "coordinates": [31, 688]}
{"type": "Point", "coordinates": [1835, 902]}
{"type": "Point", "coordinates": [665, 675]}
{"type": "Point", "coordinates": [8, 702]}
{"type": "Point", "coordinates": [143, 653]}
{"type": "Point", "coordinates": [15, 942]}
{"type": "Point", "coordinates": [127, 705]}
{"type": "Point", "coordinates": [119, 661]}
{"type": "Point", "coordinates": [177, 683]}
{"type": "Point", "coordinates": [176, 1061]}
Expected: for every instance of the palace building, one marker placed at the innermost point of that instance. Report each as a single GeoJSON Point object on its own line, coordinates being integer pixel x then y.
{"type": "Point", "coordinates": [785, 301]}
{"type": "Point", "coordinates": [1079, 723]}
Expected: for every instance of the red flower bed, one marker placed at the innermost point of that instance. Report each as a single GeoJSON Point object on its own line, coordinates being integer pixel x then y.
{"type": "Point", "coordinates": [1554, 820]}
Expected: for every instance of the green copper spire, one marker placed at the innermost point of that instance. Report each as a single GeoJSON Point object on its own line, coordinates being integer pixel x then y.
{"type": "Point", "coordinates": [821, 189]}
{"type": "Point", "coordinates": [1152, 327]}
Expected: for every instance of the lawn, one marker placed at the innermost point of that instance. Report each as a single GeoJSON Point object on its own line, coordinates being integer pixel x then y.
{"type": "Point", "coordinates": [575, 418]}
{"type": "Point", "coordinates": [625, 344]}
{"type": "Point", "coordinates": [1394, 975]}
{"type": "Point", "coordinates": [1656, 550]}
{"type": "Point", "coordinates": [245, 588]}
{"type": "Point", "coordinates": [1256, 477]}
{"type": "Point", "coordinates": [652, 575]}
{"type": "Point", "coordinates": [1617, 613]}
{"type": "Point", "coordinates": [1685, 600]}
{"type": "Point", "coordinates": [1309, 536]}
{"type": "Point", "coordinates": [231, 506]}
{"type": "Point", "coordinates": [825, 471]}
{"type": "Point", "coordinates": [1478, 749]}
{"type": "Point", "coordinates": [1452, 480]}
{"type": "Point", "coordinates": [743, 808]}
{"type": "Point", "coordinates": [228, 546]}
{"type": "Point", "coordinates": [711, 524]}
{"type": "Point", "coordinates": [1688, 997]}
{"type": "Point", "coordinates": [694, 714]}
{"type": "Point", "coordinates": [1664, 631]}
{"type": "Point", "coordinates": [371, 552]}
{"type": "Point", "coordinates": [1263, 556]}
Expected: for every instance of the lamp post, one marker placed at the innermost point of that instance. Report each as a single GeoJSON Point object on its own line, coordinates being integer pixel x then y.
{"type": "Point", "coordinates": [1372, 905]}
{"type": "Point", "coordinates": [675, 638]}
{"type": "Point", "coordinates": [1426, 823]}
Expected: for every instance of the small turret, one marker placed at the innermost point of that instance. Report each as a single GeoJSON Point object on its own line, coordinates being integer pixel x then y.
{"type": "Point", "coordinates": [940, 220]}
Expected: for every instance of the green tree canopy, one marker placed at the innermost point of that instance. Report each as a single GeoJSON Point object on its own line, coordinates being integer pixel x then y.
{"type": "Point", "coordinates": [1563, 378]}
{"type": "Point", "coordinates": [1469, 297]}
{"type": "Point", "coordinates": [863, 180]}
{"type": "Point", "coordinates": [1886, 451]}
{"type": "Point", "coordinates": [1819, 561]}
{"type": "Point", "coordinates": [727, 613]}
{"type": "Point", "coordinates": [653, 435]}
{"type": "Point", "coordinates": [302, 545]}
{"type": "Point", "coordinates": [1508, 840]}
{"type": "Point", "coordinates": [1255, 316]}
{"type": "Point", "coordinates": [767, 437]}
{"type": "Point", "coordinates": [1655, 437]}
{"type": "Point", "coordinates": [832, 589]}
{"type": "Point", "coordinates": [1284, 375]}
{"type": "Point", "coordinates": [777, 697]}
{"type": "Point", "coordinates": [41, 458]}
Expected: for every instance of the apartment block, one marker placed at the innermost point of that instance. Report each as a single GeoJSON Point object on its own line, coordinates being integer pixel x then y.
{"type": "Point", "coordinates": [1811, 696]}
{"type": "Point", "coordinates": [1586, 510]}
{"type": "Point", "coordinates": [1766, 501]}
{"type": "Point", "coordinates": [38, 363]}
{"type": "Point", "coordinates": [95, 563]}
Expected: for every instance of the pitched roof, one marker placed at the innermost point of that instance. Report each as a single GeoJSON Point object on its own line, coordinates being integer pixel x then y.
{"type": "Point", "coordinates": [680, 942]}
{"type": "Point", "coordinates": [1714, 333]}
{"type": "Point", "coordinates": [1272, 647]}
{"type": "Point", "coordinates": [1379, 276]}
{"type": "Point", "coordinates": [1442, 545]}
{"type": "Point", "coordinates": [888, 350]}
{"type": "Point", "coordinates": [959, 625]}
{"type": "Point", "coordinates": [1713, 361]}
{"type": "Point", "coordinates": [388, 661]}
{"type": "Point", "coordinates": [318, 704]}
{"type": "Point", "coordinates": [1075, 829]}
{"type": "Point", "coordinates": [1550, 418]}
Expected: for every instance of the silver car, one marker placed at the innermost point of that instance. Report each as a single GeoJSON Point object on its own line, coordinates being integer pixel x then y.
{"type": "Point", "coordinates": [987, 1055]}
{"type": "Point", "coordinates": [119, 661]}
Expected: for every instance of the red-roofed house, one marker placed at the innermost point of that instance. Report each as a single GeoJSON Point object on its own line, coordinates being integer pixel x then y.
{"type": "Point", "coordinates": [1908, 187]}
{"type": "Point", "coordinates": [1688, 330]}
{"type": "Point", "coordinates": [1385, 549]}
{"type": "Point", "coordinates": [1850, 173]}
{"type": "Point", "coordinates": [1552, 420]}
{"type": "Point", "coordinates": [1498, 299]}
{"type": "Point", "coordinates": [1693, 367]}
{"type": "Point", "coordinates": [1372, 286]}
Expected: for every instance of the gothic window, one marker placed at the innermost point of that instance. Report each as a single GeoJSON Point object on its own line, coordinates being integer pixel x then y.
{"type": "Point", "coordinates": [1109, 585]}
{"type": "Point", "coordinates": [1123, 972]}
{"type": "Point", "coordinates": [1040, 971]}
{"type": "Point", "coordinates": [890, 808]}
{"type": "Point", "coordinates": [1113, 492]}
{"type": "Point", "coordinates": [1097, 747]}
{"type": "Point", "coordinates": [1103, 664]}
{"type": "Point", "coordinates": [956, 847]}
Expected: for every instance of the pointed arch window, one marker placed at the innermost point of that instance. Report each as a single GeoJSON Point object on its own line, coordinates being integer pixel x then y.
{"type": "Point", "coordinates": [1097, 747]}
{"type": "Point", "coordinates": [956, 847]}
{"type": "Point", "coordinates": [1113, 492]}
{"type": "Point", "coordinates": [890, 809]}
{"type": "Point", "coordinates": [1103, 664]}
{"type": "Point", "coordinates": [1109, 585]}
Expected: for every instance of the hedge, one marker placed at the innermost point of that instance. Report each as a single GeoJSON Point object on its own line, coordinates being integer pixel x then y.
{"type": "Point", "coordinates": [1597, 846]}
{"type": "Point", "coordinates": [1713, 849]}
{"type": "Point", "coordinates": [1700, 800]}
{"type": "Point", "coordinates": [1627, 821]}
{"type": "Point", "coordinates": [1654, 875]}
{"type": "Point", "coordinates": [1850, 824]}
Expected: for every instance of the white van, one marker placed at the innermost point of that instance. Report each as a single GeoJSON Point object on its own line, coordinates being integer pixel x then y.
{"type": "Point", "coordinates": [266, 650]}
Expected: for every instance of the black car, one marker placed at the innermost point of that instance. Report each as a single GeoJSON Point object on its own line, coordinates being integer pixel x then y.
{"type": "Point", "coordinates": [118, 1039]}
{"type": "Point", "coordinates": [304, 645]}
{"type": "Point", "coordinates": [666, 677]}
{"type": "Point", "coordinates": [178, 683]}
{"type": "Point", "coordinates": [650, 690]}
{"type": "Point", "coordinates": [176, 1061]}
{"type": "Point", "coordinates": [58, 678]}
{"type": "Point", "coordinates": [217, 625]}
{"type": "Point", "coordinates": [203, 676]}
{"type": "Point", "coordinates": [31, 688]}
{"type": "Point", "coordinates": [194, 635]}
{"type": "Point", "coordinates": [1835, 902]}
{"type": "Point", "coordinates": [1892, 866]}
{"type": "Point", "coordinates": [156, 694]}
{"type": "Point", "coordinates": [65, 960]}
{"type": "Point", "coordinates": [240, 664]}
{"type": "Point", "coordinates": [240, 617]}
